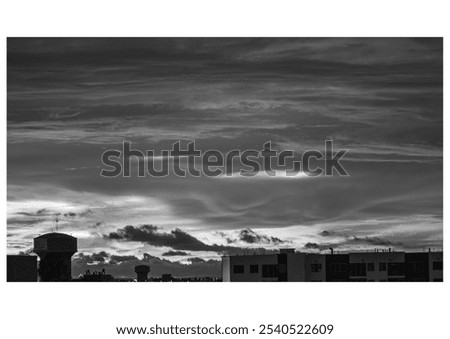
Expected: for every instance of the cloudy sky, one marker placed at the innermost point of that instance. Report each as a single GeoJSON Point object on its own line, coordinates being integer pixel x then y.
{"type": "Point", "coordinates": [69, 100]}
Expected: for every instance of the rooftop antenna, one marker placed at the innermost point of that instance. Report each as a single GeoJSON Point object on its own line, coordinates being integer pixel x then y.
{"type": "Point", "coordinates": [56, 221]}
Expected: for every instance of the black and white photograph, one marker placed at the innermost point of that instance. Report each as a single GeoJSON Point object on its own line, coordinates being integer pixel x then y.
{"type": "Point", "coordinates": [241, 169]}
{"type": "Point", "coordinates": [224, 159]}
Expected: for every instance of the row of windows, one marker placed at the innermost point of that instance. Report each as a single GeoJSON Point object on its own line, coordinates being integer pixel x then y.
{"type": "Point", "coordinates": [342, 267]}
{"type": "Point", "coordinates": [240, 269]}
{"type": "Point", "coordinates": [359, 269]}
{"type": "Point", "coordinates": [370, 266]}
{"type": "Point", "coordinates": [268, 271]}
{"type": "Point", "coordinates": [338, 267]}
{"type": "Point", "coordinates": [356, 269]}
{"type": "Point", "coordinates": [316, 268]}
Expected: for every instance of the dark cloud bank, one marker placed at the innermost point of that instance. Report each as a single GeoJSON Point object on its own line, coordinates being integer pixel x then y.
{"type": "Point", "coordinates": [181, 241]}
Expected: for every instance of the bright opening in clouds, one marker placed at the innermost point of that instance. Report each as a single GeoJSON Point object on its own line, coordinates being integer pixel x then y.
{"type": "Point", "coordinates": [264, 175]}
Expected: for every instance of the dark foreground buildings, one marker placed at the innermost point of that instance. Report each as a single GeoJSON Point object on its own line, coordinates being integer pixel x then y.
{"type": "Point", "coordinates": [55, 251]}
{"type": "Point", "coordinates": [289, 265]}
{"type": "Point", "coordinates": [95, 276]}
{"type": "Point", "coordinates": [21, 268]}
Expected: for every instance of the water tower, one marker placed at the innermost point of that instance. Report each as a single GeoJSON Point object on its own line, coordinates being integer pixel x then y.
{"type": "Point", "coordinates": [142, 271]}
{"type": "Point", "coordinates": [55, 251]}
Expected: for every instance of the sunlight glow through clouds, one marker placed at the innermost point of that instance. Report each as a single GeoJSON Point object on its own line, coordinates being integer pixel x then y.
{"type": "Point", "coordinates": [277, 174]}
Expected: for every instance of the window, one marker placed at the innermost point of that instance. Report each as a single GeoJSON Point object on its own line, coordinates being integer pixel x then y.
{"type": "Point", "coordinates": [396, 268]}
{"type": "Point", "coordinates": [316, 267]}
{"type": "Point", "coordinates": [334, 267]}
{"type": "Point", "coordinates": [370, 266]}
{"type": "Point", "coordinates": [437, 265]}
{"type": "Point", "coordinates": [338, 267]}
{"type": "Point", "coordinates": [416, 266]}
{"type": "Point", "coordinates": [238, 269]}
{"type": "Point", "coordinates": [357, 269]}
{"type": "Point", "coordinates": [269, 271]}
{"type": "Point", "coordinates": [382, 266]}
{"type": "Point", "coordinates": [254, 268]}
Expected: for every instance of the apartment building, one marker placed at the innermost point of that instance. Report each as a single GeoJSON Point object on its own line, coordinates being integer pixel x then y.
{"type": "Point", "coordinates": [377, 266]}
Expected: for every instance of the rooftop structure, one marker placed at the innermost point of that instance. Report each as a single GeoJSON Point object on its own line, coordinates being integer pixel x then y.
{"type": "Point", "coordinates": [142, 272]}
{"type": "Point", "coordinates": [55, 251]}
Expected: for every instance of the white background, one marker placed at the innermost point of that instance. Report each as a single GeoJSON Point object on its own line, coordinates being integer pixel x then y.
{"type": "Point", "coordinates": [357, 310]}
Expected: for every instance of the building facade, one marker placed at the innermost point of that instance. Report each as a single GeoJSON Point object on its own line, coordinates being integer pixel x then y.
{"type": "Point", "coordinates": [378, 266]}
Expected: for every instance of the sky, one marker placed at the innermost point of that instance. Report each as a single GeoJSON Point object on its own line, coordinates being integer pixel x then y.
{"type": "Point", "coordinates": [70, 100]}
